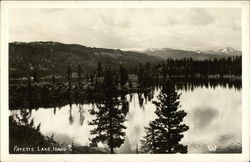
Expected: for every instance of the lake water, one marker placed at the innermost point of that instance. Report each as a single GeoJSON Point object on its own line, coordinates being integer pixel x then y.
{"type": "Point", "coordinates": [213, 117]}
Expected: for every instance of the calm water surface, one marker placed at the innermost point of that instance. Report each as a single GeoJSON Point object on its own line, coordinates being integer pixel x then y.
{"type": "Point", "coordinates": [213, 117]}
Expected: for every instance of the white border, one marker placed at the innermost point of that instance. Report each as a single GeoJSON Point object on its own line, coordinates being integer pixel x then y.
{"type": "Point", "coordinates": [244, 5]}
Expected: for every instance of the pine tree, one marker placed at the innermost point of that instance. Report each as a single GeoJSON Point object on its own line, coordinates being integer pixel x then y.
{"type": "Point", "coordinates": [69, 76]}
{"type": "Point", "coordinates": [69, 79]}
{"type": "Point", "coordinates": [79, 72]}
{"type": "Point", "coordinates": [35, 75]}
{"type": "Point", "coordinates": [149, 142]}
{"type": "Point", "coordinates": [123, 76]}
{"type": "Point", "coordinates": [165, 132]}
{"type": "Point", "coordinates": [99, 69]}
{"type": "Point", "coordinates": [110, 124]}
{"type": "Point", "coordinates": [109, 116]}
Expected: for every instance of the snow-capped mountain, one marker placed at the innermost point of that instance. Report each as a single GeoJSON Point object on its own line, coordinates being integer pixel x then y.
{"type": "Point", "coordinates": [223, 51]}
{"type": "Point", "coordinates": [205, 51]}
{"type": "Point", "coordinates": [152, 49]}
{"type": "Point", "coordinates": [198, 55]}
{"type": "Point", "coordinates": [228, 50]}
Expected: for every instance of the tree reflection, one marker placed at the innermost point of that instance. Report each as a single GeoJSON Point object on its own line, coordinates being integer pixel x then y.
{"type": "Point", "coordinates": [71, 118]}
{"type": "Point", "coordinates": [141, 100]}
{"type": "Point", "coordinates": [125, 105]}
{"type": "Point", "coordinates": [81, 111]}
{"type": "Point", "coordinates": [145, 96]}
{"type": "Point", "coordinates": [130, 97]}
{"type": "Point", "coordinates": [165, 132]}
{"type": "Point", "coordinates": [34, 95]}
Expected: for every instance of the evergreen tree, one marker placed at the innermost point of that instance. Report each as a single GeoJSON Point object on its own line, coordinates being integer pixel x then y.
{"type": "Point", "coordinates": [53, 78]}
{"type": "Point", "coordinates": [109, 116]}
{"type": "Point", "coordinates": [99, 69]}
{"type": "Point", "coordinates": [149, 142]}
{"type": "Point", "coordinates": [110, 124]}
{"type": "Point", "coordinates": [69, 75]}
{"type": "Point", "coordinates": [79, 72]}
{"type": "Point", "coordinates": [35, 75]}
{"type": "Point", "coordinates": [123, 76]}
{"type": "Point", "coordinates": [165, 132]}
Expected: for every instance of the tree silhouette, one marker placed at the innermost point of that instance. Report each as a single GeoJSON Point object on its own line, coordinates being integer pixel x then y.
{"type": "Point", "coordinates": [69, 76]}
{"type": "Point", "coordinates": [123, 76]}
{"type": "Point", "coordinates": [35, 75]}
{"type": "Point", "coordinates": [165, 132]}
{"type": "Point", "coordinates": [79, 73]}
{"type": "Point", "coordinates": [99, 69]}
{"type": "Point", "coordinates": [110, 118]}
{"type": "Point", "coordinates": [110, 124]}
{"type": "Point", "coordinates": [149, 142]}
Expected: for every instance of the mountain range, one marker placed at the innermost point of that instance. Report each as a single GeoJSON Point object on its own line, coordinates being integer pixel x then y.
{"type": "Point", "coordinates": [166, 53]}
{"type": "Point", "coordinates": [54, 57]}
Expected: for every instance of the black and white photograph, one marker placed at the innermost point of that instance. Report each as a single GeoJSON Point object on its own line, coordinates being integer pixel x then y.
{"type": "Point", "coordinates": [125, 80]}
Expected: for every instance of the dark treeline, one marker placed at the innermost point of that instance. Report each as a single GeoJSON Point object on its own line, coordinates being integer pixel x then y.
{"type": "Point", "coordinates": [189, 68]}
{"type": "Point", "coordinates": [79, 87]}
{"type": "Point", "coordinates": [55, 93]}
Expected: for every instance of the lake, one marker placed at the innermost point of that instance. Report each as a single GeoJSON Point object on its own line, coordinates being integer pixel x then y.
{"type": "Point", "coordinates": [213, 116]}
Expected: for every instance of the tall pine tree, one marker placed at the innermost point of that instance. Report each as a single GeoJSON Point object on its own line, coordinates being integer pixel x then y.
{"type": "Point", "coordinates": [165, 133]}
{"type": "Point", "coordinates": [110, 118]}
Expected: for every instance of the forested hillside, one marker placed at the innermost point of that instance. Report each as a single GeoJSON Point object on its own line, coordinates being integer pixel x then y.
{"type": "Point", "coordinates": [54, 57]}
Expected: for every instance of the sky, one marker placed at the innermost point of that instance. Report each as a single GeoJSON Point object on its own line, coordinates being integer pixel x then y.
{"type": "Point", "coordinates": [130, 28]}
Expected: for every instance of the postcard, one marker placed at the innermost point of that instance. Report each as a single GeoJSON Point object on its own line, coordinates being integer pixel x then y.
{"type": "Point", "coordinates": [134, 80]}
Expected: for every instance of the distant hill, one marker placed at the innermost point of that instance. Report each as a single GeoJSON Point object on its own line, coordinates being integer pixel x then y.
{"type": "Point", "coordinates": [166, 53]}
{"type": "Point", "coordinates": [55, 57]}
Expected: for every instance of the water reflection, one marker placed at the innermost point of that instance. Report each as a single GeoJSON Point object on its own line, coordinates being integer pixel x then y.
{"type": "Point", "coordinates": [203, 116]}
{"type": "Point", "coordinates": [209, 112]}
{"type": "Point", "coordinates": [81, 112]}
{"type": "Point", "coordinates": [192, 84]}
{"type": "Point", "coordinates": [49, 96]}
{"type": "Point", "coordinates": [214, 113]}
{"type": "Point", "coordinates": [71, 119]}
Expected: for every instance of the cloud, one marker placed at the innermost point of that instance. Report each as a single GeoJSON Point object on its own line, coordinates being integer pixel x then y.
{"type": "Point", "coordinates": [130, 28]}
{"type": "Point", "coordinates": [200, 17]}
{"type": "Point", "coordinates": [51, 10]}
